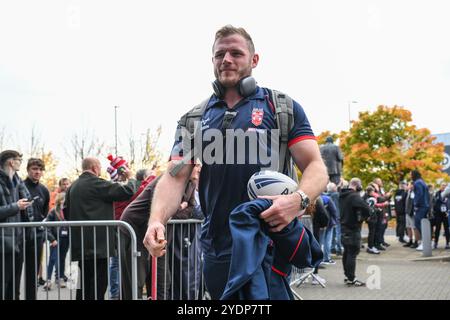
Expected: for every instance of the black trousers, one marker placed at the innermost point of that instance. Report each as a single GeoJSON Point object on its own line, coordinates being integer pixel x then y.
{"type": "Point", "coordinates": [379, 230]}
{"type": "Point", "coordinates": [144, 269]}
{"type": "Point", "coordinates": [401, 226]}
{"type": "Point", "coordinates": [316, 234]}
{"type": "Point", "coordinates": [349, 260]}
{"type": "Point", "coordinates": [441, 218]}
{"type": "Point", "coordinates": [371, 236]}
{"type": "Point", "coordinates": [12, 267]}
{"type": "Point", "coordinates": [89, 277]}
{"type": "Point", "coordinates": [33, 250]}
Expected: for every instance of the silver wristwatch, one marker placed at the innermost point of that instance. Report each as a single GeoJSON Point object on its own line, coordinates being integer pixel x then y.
{"type": "Point", "coordinates": [305, 199]}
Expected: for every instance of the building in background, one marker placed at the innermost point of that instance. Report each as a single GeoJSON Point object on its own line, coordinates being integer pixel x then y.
{"type": "Point", "coordinates": [445, 139]}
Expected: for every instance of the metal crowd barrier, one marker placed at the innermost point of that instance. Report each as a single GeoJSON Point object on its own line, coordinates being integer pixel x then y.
{"type": "Point", "coordinates": [18, 262]}
{"type": "Point", "coordinates": [298, 276]}
{"type": "Point", "coordinates": [178, 274]}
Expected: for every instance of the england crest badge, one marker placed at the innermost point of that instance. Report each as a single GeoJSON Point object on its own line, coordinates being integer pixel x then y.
{"type": "Point", "coordinates": [257, 116]}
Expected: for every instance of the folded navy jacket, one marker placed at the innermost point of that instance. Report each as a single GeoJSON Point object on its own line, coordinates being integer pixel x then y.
{"type": "Point", "coordinates": [262, 260]}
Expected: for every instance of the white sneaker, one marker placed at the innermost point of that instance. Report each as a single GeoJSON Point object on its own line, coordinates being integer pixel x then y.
{"type": "Point", "coordinates": [420, 247]}
{"type": "Point", "coordinates": [61, 283]}
{"type": "Point", "coordinates": [373, 250]}
{"type": "Point", "coordinates": [318, 278]}
{"type": "Point", "coordinates": [47, 286]}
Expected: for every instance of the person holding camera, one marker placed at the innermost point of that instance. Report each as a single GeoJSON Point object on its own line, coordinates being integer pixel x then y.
{"type": "Point", "coordinates": [354, 210]}
{"type": "Point", "coordinates": [14, 203]}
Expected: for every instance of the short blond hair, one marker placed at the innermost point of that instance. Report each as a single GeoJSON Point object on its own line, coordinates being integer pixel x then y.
{"type": "Point", "coordinates": [229, 30]}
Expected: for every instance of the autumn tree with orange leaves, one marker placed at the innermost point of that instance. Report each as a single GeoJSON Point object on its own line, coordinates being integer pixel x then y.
{"type": "Point", "coordinates": [385, 144]}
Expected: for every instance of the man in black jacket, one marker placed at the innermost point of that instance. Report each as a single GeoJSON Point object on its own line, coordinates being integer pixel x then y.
{"type": "Point", "coordinates": [354, 210]}
{"type": "Point", "coordinates": [35, 240]}
{"type": "Point", "coordinates": [440, 211]}
{"type": "Point", "coordinates": [14, 201]}
{"type": "Point", "coordinates": [400, 210]}
{"type": "Point", "coordinates": [91, 198]}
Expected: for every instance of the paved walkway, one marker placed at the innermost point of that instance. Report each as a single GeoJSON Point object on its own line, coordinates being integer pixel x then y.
{"type": "Point", "coordinates": [396, 274]}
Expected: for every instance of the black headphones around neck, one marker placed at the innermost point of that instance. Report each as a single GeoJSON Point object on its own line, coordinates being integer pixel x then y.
{"type": "Point", "coordinates": [246, 87]}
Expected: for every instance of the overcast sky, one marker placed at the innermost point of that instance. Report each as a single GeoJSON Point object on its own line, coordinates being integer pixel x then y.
{"type": "Point", "coordinates": [64, 65]}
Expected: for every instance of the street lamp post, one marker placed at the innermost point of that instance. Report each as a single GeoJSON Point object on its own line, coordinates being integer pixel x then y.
{"type": "Point", "coordinates": [349, 116]}
{"type": "Point", "coordinates": [115, 126]}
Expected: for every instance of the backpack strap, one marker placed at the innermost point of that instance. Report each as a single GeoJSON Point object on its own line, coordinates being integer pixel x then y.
{"type": "Point", "coordinates": [189, 121]}
{"type": "Point", "coordinates": [284, 112]}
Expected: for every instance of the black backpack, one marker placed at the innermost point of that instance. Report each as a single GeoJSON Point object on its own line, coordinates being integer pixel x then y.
{"type": "Point", "coordinates": [284, 114]}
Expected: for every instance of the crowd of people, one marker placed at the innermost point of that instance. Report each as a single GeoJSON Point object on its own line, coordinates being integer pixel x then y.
{"type": "Point", "coordinates": [338, 217]}
{"type": "Point", "coordinates": [373, 207]}
{"type": "Point", "coordinates": [125, 197]}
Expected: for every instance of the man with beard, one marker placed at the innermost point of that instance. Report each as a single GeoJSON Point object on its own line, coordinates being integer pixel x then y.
{"type": "Point", "coordinates": [237, 105]}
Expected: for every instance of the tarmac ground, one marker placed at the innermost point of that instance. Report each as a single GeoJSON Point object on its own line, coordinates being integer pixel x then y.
{"type": "Point", "coordinates": [396, 274]}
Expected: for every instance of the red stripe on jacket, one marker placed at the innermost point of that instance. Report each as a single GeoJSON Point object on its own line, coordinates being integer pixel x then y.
{"type": "Point", "coordinates": [298, 245]}
{"type": "Point", "coordinates": [301, 138]}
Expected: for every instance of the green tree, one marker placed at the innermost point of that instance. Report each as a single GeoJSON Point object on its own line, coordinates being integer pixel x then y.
{"type": "Point", "coordinates": [49, 178]}
{"type": "Point", "coordinates": [385, 144]}
{"type": "Point", "coordinates": [152, 157]}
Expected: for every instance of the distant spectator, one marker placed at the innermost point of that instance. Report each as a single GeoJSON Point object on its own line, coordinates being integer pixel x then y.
{"type": "Point", "coordinates": [440, 209]}
{"type": "Point", "coordinates": [114, 270]}
{"type": "Point", "coordinates": [382, 222]}
{"type": "Point", "coordinates": [430, 214]}
{"type": "Point", "coordinates": [409, 217]}
{"type": "Point", "coordinates": [63, 185]}
{"type": "Point", "coordinates": [14, 205]}
{"type": "Point", "coordinates": [400, 210]}
{"type": "Point", "coordinates": [354, 210]}
{"type": "Point", "coordinates": [327, 233]}
{"type": "Point", "coordinates": [58, 237]}
{"type": "Point", "coordinates": [421, 204]}
{"type": "Point", "coordinates": [336, 245]}
{"type": "Point", "coordinates": [34, 244]}
{"type": "Point", "coordinates": [371, 197]}
{"type": "Point", "coordinates": [320, 220]}
{"type": "Point", "coordinates": [91, 198]}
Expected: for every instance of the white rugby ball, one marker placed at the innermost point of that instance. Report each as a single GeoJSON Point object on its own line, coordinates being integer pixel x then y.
{"type": "Point", "coordinates": [270, 183]}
